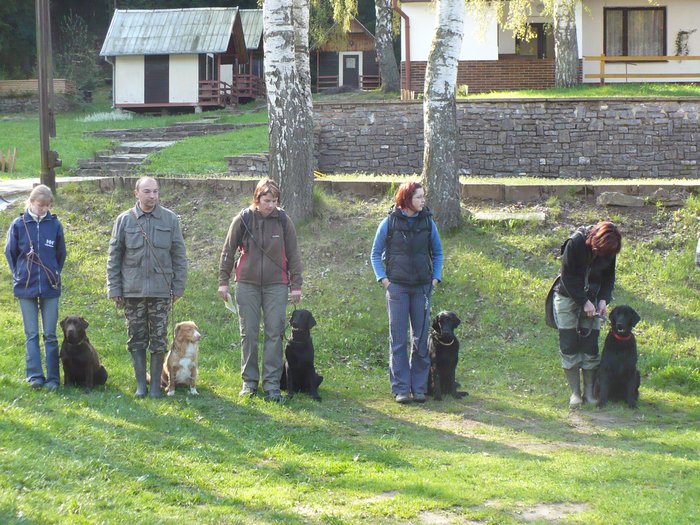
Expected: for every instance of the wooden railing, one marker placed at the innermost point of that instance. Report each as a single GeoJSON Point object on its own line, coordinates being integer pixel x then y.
{"type": "Point", "coordinates": [250, 86]}
{"type": "Point", "coordinates": [602, 75]}
{"type": "Point", "coordinates": [370, 82]}
{"type": "Point", "coordinates": [216, 93]}
{"type": "Point", "coordinates": [326, 81]}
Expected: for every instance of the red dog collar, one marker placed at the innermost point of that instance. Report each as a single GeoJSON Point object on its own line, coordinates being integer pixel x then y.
{"type": "Point", "coordinates": [621, 338]}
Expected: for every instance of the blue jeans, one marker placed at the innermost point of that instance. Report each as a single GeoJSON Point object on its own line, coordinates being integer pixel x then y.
{"type": "Point", "coordinates": [49, 317]}
{"type": "Point", "coordinates": [408, 304]}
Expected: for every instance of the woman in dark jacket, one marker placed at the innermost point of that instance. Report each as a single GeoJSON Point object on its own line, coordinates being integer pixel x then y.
{"type": "Point", "coordinates": [581, 299]}
{"type": "Point", "coordinates": [36, 250]}
{"type": "Point", "coordinates": [407, 261]}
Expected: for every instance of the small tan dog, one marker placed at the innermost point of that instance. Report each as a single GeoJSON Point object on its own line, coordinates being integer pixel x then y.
{"type": "Point", "coordinates": [180, 367]}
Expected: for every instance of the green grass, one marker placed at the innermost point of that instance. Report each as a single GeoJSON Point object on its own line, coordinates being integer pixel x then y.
{"type": "Point", "coordinates": [21, 131]}
{"type": "Point", "coordinates": [509, 448]}
{"type": "Point", "coordinates": [650, 89]}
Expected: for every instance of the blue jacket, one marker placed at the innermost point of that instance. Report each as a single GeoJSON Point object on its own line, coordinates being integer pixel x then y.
{"type": "Point", "coordinates": [36, 276]}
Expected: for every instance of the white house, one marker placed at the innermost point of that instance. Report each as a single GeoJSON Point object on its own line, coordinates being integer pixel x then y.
{"type": "Point", "coordinates": [164, 58]}
{"type": "Point", "coordinates": [638, 38]}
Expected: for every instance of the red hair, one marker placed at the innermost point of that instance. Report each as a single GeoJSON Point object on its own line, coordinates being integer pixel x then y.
{"type": "Point", "coordinates": [405, 193]}
{"type": "Point", "coordinates": [604, 239]}
{"type": "Point", "coordinates": [264, 187]}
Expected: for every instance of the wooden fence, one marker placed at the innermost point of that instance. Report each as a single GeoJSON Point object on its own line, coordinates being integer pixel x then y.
{"type": "Point", "coordinates": [31, 87]}
{"type": "Point", "coordinates": [602, 75]}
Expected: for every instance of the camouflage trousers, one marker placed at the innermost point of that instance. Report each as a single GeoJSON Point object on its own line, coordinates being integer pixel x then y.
{"type": "Point", "coordinates": [147, 323]}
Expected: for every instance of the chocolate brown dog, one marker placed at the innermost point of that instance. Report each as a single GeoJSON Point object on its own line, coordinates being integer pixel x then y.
{"type": "Point", "coordinates": [81, 365]}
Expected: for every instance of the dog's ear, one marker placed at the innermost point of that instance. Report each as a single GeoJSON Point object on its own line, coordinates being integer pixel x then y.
{"type": "Point", "coordinates": [312, 321]}
{"type": "Point", "coordinates": [63, 323]}
{"type": "Point", "coordinates": [612, 315]}
{"type": "Point", "coordinates": [635, 317]}
{"type": "Point", "coordinates": [436, 323]}
{"type": "Point", "coordinates": [85, 323]}
{"type": "Point", "coordinates": [456, 321]}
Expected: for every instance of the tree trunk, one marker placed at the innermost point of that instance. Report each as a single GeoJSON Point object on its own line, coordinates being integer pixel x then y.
{"type": "Point", "coordinates": [284, 105]}
{"type": "Point", "coordinates": [566, 63]}
{"type": "Point", "coordinates": [384, 43]}
{"type": "Point", "coordinates": [300, 187]}
{"type": "Point", "coordinates": [441, 138]}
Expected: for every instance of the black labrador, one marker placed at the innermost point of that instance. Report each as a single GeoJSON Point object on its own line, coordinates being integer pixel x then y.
{"type": "Point", "coordinates": [81, 365]}
{"type": "Point", "coordinates": [299, 374]}
{"type": "Point", "coordinates": [443, 347]}
{"type": "Point", "coordinates": [618, 377]}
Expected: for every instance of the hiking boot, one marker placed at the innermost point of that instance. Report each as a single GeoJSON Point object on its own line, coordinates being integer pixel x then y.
{"type": "Point", "coordinates": [419, 397]}
{"type": "Point", "coordinates": [36, 384]}
{"type": "Point", "coordinates": [247, 391]}
{"type": "Point", "coordinates": [403, 399]}
{"type": "Point", "coordinates": [51, 387]}
{"type": "Point", "coordinates": [274, 396]}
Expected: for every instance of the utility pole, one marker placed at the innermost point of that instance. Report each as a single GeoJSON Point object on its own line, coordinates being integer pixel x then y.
{"type": "Point", "coordinates": [47, 121]}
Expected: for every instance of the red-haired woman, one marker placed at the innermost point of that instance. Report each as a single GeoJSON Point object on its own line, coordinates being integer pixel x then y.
{"type": "Point", "coordinates": [267, 271]}
{"type": "Point", "coordinates": [581, 300]}
{"type": "Point", "coordinates": [407, 261]}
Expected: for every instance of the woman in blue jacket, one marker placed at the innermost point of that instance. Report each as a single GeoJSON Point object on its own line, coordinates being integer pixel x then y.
{"type": "Point", "coordinates": [407, 261]}
{"type": "Point", "coordinates": [36, 250]}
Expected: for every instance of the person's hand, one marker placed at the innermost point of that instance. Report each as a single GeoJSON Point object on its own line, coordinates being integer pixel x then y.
{"type": "Point", "coordinates": [589, 309]}
{"type": "Point", "coordinates": [435, 282]}
{"type": "Point", "coordinates": [224, 292]}
{"type": "Point", "coordinates": [295, 296]}
{"type": "Point", "coordinates": [385, 283]}
{"type": "Point", "coordinates": [118, 301]}
{"type": "Point", "coordinates": [602, 308]}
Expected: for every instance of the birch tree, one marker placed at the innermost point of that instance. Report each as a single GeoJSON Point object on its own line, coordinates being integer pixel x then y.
{"type": "Point", "coordinates": [441, 137]}
{"type": "Point", "coordinates": [301, 186]}
{"type": "Point", "coordinates": [285, 109]}
{"type": "Point", "coordinates": [384, 42]}
{"type": "Point", "coordinates": [565, 43]}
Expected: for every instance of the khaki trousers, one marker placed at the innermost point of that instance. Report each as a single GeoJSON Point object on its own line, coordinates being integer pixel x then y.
{"type": "Point", "coordinates": [271, 302]}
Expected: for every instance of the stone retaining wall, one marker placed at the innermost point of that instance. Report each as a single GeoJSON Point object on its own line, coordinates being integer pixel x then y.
{"type": "Point", "coordinates": [29, 103]}
{"type": "Point", "coordinates": [569, 138]}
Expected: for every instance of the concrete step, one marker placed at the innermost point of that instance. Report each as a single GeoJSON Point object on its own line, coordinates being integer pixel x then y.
{"type": "Point", "coordinates": [127, 158]}
{"type": "Point", "coordinates": [142, 146]}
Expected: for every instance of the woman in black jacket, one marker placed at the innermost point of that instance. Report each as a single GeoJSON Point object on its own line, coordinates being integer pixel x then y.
{"type": "Point", "coordinates": [581, 299]}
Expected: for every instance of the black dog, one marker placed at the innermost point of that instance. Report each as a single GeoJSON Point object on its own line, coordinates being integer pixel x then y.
{"type": "Point", "coordinates": [618, 377]}
{"type": "Point", "coordinates": [81, 365]}
{"type": "Point", "coordinates": [299, 374]}
{"type": "Point", "coordinates": [443, 347]}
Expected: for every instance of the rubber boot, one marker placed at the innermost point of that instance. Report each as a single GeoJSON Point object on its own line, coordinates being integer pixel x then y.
{"type": "Point", "coordinates": [574, 379]}
{"type": "Point", "coordinates": [588, 386]}
{"type": "Point", "coordinates": [138, 358]}
{"type": "Point", "coordinates": [156, 371]}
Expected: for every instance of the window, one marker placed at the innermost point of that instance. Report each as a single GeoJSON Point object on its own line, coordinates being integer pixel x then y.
{"type": "Point", "coordinates": [540, 43]}
{"type": "Point", "coordinates": [635, 31]}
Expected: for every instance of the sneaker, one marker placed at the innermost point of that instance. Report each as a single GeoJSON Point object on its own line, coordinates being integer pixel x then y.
{"type": "Point", "coordinates": [274, 396]}
{"type": "Point", "coordinates": [419, 398]}
{"type": "Point", "coordinates": [575, 401]}
{"type": "Point", "coordinates": [403, 398]}
{"type": "Point", "coordinates": [247, 391]}
{"type": "Point", "coordinates": [51, 387]}
{"type": "Point", "coordinates": [36, 384]}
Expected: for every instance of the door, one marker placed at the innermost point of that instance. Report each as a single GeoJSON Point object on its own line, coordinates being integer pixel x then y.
{"type": "Point", "coordinates": [156, 79]}
{"type": "Point", "coordinates": [351, 70]}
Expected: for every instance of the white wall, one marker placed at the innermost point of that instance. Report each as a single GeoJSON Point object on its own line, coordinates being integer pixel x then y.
{"type": "Point", "coordinates": [680, 15]}
{"type": "Point", "coordinates": [478, 44]}
{"type": "Point", "coordinates": [183, 79]}
{"type": "Point", "coordinates": [128, 79]}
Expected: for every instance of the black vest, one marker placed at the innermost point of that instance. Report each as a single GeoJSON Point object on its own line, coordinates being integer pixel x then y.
{"type": "Point", "coordinates": [408, 255]}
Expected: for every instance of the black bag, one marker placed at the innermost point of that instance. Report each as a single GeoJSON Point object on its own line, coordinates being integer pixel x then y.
{"type": "Point", "coordinates": [549, 305]}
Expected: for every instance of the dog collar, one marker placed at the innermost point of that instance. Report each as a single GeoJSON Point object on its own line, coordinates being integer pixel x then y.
{"type": "Point", "coordinates": [620, 337]}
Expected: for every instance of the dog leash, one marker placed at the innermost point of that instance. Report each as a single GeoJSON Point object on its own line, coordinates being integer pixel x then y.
{"type": "Point", "coordinates": [585, 332]}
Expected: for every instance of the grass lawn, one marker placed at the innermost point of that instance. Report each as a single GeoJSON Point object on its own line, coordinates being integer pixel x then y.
{"type": "Point", "coordinates": [508, 453]}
